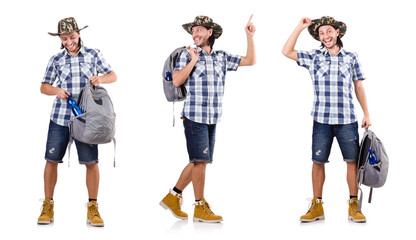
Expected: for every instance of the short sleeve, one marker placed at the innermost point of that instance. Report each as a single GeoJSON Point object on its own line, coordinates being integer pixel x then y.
{"type": "Point", "coordinates": [232, 61]}
{"type": "Point", "coordinates": [357, 73]}
{"type": "Point", "coordinates": [181, 61]}
{"type": "Point", "coordinates": [50, 74]}
{"type": "Point", "coordinates": [306, 58]}
{"type": "Point", "coordinates": [102, 66]}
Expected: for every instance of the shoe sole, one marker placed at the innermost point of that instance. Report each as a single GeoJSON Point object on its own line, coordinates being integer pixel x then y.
{"type": "Point", "coordinates": [45, 222]}
{"type": "Point", "coordinates": [313, 219]}
{"type": "Point", "coordinates": [357, 220]}
{"type": "Point", "coordinates": [95, 224]}
{"type": "Point", "coordinates": [207, 221]}
{"type": "Point", "coordinates": [162, 204]}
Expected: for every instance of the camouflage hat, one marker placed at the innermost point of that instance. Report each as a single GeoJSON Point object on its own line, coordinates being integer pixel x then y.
{"type": "Point", "coordinates": [205, 22]}
{"type": "Point", "coordinates": [326, 20]}
{"type": "Point", "coordinates": [67, 25]}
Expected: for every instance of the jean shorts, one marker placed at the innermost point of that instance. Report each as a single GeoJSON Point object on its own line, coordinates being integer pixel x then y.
{"type": "Point", "coordinates": [347, 138]}
{"type": "Point", "coordinates": [200, 140]}
{"type": "Point", "coordinates": [56, 145]}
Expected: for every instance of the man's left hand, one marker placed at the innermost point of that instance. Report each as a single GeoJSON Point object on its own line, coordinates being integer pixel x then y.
{"type": "Point", "coordinates": [366, 122]}
{"type": "Point", "coordinates": [95, 80]}
{"type": "Point", "coordinates": [250, 28]}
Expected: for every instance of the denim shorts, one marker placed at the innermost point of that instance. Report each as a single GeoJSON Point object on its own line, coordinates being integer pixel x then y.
{"type": "Point", "coordinates": [56, 145]}
{"type": "Point", "coordinates": [200, 140]}
{"type": "Point", "coordinates": [347, 138]}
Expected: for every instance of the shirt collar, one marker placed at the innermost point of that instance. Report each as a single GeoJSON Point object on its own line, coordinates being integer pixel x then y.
{"type": "Point", "coordinates": [326, 52]}
{"type": "Point", "coordinates": [202, 51]}
{"type": "Point", "coordinates": [80, 51]}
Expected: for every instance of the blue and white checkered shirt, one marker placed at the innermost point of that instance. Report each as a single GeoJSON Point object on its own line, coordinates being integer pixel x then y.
{"type": "Point", "coordinates": [71, 73]}
{"type": "Point", "coordinates": [205, 85]}
{"type": "Point", "coordinates": [332, 78]}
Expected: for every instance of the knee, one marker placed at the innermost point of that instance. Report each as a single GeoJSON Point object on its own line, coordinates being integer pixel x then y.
{"type": "Point", "coordinates": [51, 164]}
{"type": "Point", "coordinates": [92, 166]}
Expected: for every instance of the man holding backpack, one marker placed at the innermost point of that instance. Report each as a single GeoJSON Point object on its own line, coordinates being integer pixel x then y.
{"type": "Point", "coordinates": [66, 74]}
{"type": "Point", "coordinates": [203, 71]}
{"type": "Point", "coordinates": [335, 72]}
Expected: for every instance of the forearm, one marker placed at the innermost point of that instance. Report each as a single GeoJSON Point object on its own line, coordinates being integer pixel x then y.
{"type": "Point", "coordinates": [362, 99]}
{"type": "Point", "coordinates": [48, 89]}
{"type": "Point", "coordinates": [179, 77]}
{"type": "Point", "coordinates": [108, 78]}
{"type": "Point", "coordinates": [250, 58]}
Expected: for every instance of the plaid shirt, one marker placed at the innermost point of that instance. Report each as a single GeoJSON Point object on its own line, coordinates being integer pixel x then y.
{"type": "Point", "coordinates": [205, 85]}
{"type": "Point", "coordinates": [71, 73]}
{"type": "Point", "coordinates": [332, 78]}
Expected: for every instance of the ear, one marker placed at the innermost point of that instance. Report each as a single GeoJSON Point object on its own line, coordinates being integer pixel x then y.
{"type": "Point", "coordinates": [210, 31]}
{"type": "Point", "coordinates": [337, 32]}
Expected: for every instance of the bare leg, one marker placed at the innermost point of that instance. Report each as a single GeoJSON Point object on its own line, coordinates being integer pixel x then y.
{"type": "Point", "coordinates": [185, 178]}
{"type": "Point", "coordinates": [318, 179]}
{"type": "Point", "coordinates": [50, 176]}
{"type": "Point", "coordinates": [93, 180]}
{"type": "Point", "coordinates": [352, 178]}
{"type": "Point", "coordinates": [198, 179]}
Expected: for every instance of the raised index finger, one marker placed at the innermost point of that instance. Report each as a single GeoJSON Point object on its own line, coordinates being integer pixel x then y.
{"type": "Point", "coordinates": [250, 18]}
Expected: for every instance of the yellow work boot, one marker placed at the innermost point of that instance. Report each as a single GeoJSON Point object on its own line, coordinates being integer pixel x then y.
{"type": "Point", "coordinates": [93, 216]}
{"type": "Point", "coordinates": [173, 202]}
{"type": "Point", "coordinates": [46, 215]}
{"type": "Point", "coordinates": [203, 213]}
{"type": "Point", "coordinates": [316, 211]}
{"type": "Point", "coordinates": [353, 213]}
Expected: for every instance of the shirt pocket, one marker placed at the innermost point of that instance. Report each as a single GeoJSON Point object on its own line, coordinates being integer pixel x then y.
{"type": "Point", "coordinates": [322, 69]}
{"type": "Point", "coordinates": [64, 72]}
{"type": "Point", "coordinates": [344, 70]}
{"type": "Point", "coordinates": [200, 70]}
{"type": "Point", "coordinates": [219, 69]}
{"type": "Point", "coordinates": [87, 69]}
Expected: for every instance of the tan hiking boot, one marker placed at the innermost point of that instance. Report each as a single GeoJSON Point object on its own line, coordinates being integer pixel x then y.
{"type": "Point", "coordinates": [93, 216]}
{"type": "Point", "coordinates": [316, 211]}
{"type": "Point", "coordinates": [203, 213]}
{"type": "Point", "coordinates": [353, 213]}
{"type": "Point", "coordinates": [46, 215]}
{"type": "Point", "coordinates": [173, 202]}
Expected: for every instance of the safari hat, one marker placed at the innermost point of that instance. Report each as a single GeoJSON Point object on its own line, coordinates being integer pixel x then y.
{"type": "Point", "coordinates": [326, 20]}
{"type": "Point", "coordinates": [67, 25]}
{"type": "Point", "coordinates": [205, 22]}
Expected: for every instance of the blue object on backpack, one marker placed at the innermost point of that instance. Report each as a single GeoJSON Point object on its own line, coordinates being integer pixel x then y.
{"type": "Point", "coordinates": [168, 76]}
{"type": "Point", "coordinates": [74, 107]}
{"type": "Point", "coordinates": [372, 158]}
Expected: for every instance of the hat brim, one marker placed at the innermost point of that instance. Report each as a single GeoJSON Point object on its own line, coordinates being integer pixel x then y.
{"type": "Point", "coordinates": [217, 29]}
{"type": "Point", "coordinates": [76, 30]}
{"type": "Point", "coordinates": [317, 23]}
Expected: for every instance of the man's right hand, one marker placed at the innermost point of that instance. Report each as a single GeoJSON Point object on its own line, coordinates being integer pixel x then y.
{"type": "Point", "coordinates": [304, 23]}
{"type": "Point", "coordinates": [193, 53]}
{"type": "Point", "coordinates": [62, 94]}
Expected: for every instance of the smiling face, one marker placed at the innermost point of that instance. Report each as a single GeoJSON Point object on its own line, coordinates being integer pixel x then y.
{"type": "Point", "coordinates": [71, 42]}
{"type": "Point", "coordinates": [328, 36]}
{"type": "Point", "coordinates": [200, 35]}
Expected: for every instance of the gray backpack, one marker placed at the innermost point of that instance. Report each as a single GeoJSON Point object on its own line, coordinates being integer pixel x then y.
{"type": "Point", "coordinates": [371, 175]}
{"type": "Point", "coordinates": [172, 93]}
{"type": "Point", "coordinates": [96, 125]}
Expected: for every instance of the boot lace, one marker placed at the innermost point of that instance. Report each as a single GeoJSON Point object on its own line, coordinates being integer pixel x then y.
{"type": "Point", "coordinates": [46, 206]}
{"type": "Point", "coordinates": [353, 203]}
{"type": "Point", "coordinates": [313, 204]}
{"type": "Point", "coordinates": [93, 209]}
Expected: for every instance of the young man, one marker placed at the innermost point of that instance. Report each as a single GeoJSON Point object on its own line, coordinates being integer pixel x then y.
{"type": "Point", "coordinates": [203, 71]}
{"type": "Point", "coordinates": [335, 72]}
{"type": "Point", "coordinates": [69, 71]}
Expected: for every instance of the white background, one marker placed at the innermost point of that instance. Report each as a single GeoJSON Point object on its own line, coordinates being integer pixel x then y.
{"type": "Point", "coordinates": [260, 178]}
